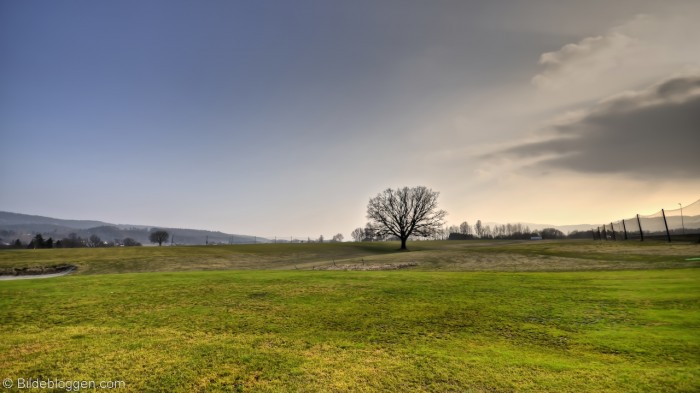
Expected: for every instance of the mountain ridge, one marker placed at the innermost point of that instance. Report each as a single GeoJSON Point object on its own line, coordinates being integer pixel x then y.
{"type": "Point", "coordinates": [25, 226]}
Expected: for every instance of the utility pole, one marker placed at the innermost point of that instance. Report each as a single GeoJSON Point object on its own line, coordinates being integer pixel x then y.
{"type": "Point", "coordinates": [682, 223]}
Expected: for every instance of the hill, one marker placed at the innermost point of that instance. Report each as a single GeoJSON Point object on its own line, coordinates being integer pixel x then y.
{"type": "Point", "coordinates": [24, 227]}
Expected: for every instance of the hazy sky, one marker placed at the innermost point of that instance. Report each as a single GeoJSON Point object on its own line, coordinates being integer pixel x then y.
{"type": "Point", "coordinates": [282, 118]}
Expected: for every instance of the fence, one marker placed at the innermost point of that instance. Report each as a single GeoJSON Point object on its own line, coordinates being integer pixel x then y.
{"type": "Point", "coordinates": [682, 224]}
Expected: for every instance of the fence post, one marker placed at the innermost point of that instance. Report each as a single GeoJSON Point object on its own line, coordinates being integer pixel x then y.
{"type": "Point", "coordinates": [612, 228]}
{"type": "Point", "coordinates": [641, 232]}
{"type": "Point", "coordinates": [668, 234]}
{"type": "Point", "coordinates": [624, 228]}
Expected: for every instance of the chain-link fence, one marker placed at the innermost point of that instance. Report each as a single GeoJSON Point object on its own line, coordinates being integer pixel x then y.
{"type": "Point", "coordinates": [682, 224]}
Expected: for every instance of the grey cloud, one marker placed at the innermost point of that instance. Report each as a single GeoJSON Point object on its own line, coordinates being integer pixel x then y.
{"type": "Point", "coordinates": [678, 87]}
{"type": "Point", "coordinates": [581, 61]}
{"type": "Point", "coordinates": [574, 52]}
{"type": "Point", "coordinates": [651, 133]}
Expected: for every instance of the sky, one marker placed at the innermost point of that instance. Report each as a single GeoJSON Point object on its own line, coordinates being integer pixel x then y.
{"type": "Point", "coordinates": [282, 118]}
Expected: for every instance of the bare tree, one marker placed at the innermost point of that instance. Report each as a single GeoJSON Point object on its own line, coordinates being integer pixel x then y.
{"type": "Point", "coordinates": [95, 241]}
{"type": "Point", "coordinates": [338, 238]}
{"type": "Point", "coordinates": [370, 233]}
{"type": "Point", "coordinates": [464, 228]}
{"type": "Point", "coordinates": [159, 237]}
{"type": "Point", "coordinates": [129, 242]}
{"type": "Point", "coordinates": [358, 234]}
{"type": "Point", "coordinates": [406, 211]}
{"type": "Point", "coordinates": [486, 232]}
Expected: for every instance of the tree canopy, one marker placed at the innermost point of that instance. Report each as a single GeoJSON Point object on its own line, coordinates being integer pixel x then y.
{"type": "Point", "coordinates": [159, 237]}
{"type": "Point", "coordinates": [404, 212]}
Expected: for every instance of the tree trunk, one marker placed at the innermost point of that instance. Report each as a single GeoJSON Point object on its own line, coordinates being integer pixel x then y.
{"type": "Point", "coordinates": [403, 243]}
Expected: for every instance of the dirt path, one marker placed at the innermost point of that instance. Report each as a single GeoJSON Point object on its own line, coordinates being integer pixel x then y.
{"type": "Point", "coordinates": [31, 276]}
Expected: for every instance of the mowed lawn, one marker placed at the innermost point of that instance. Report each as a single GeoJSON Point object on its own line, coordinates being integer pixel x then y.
{"type": "Point", "coordinates": [280, 331]}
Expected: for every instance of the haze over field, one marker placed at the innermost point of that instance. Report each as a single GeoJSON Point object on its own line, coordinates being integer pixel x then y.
{"type": "Point", "coordinates": [283, 118]}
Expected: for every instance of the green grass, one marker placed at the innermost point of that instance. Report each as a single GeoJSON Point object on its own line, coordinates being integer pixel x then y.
{"type": "Point", "coordinates": [441, 255]}
{"type": "Point", "coordinates": [188, 258]}
{"type": "Point", "coordinates": [471, 316]}
{"type": "Point", "coordinates": [280, 331]}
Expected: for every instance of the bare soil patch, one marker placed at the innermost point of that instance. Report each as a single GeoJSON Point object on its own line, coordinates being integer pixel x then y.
{"type": "Point", "coordinates": [18, 273]}
{"type": "Point", "coordinates": [368, 267]}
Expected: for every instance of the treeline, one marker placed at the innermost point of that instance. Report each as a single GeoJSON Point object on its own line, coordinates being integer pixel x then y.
{"type": "Point", "coordinates": [465, 231]}
{"type": "Point", "coordinates": [369, 234]}
{"type": "Point", "coordinates": [504, 231]}
{"type": "Point", "coordinates": [509, 231]}
{"type": "Point", "coordinates": [72, 241]}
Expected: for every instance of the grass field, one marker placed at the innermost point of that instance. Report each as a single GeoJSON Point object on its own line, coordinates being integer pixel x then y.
{"type": "Point", "coordinates": [626, 319]}
{"type": "Point", "coordinates": [433, 256]}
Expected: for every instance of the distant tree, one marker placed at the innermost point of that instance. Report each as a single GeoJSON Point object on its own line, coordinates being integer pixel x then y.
{"type": "Point", "coordinates": [358, 234]}
{"type": "Point", "coordinates": [552, 233]}
{"type": "Point", "coordinates": [453, 229]}
{"type": "Point", "coordinates": [48, 243]}
{"type": "Point", "coordinates": [437, 233]}
{"type": "Point", "coordinates": [320, 239]}
{"type": "Point", "coordinates": [502, 231]}
{"type": "Point", "coordinates": [37, 242]}
{"type": "Point", "coordinates": [464, 228]}
{"type": "Point", "coordinates": [95, 241]}
{"type": "Point", "coordinates": [370, 233]}
{"type": "Point", "coordinates": [406, 211]}
{"type": "Point", "coordinates": [338, 238]}
{"type": "Point", "coordinates": [72, 241]}
{"type": "Point", "coordinates": [478, 228]}
{"type": "Point", "coordinates": [17, 244]}
{"type": "Point", "coordinates": [159, 236]}
{"type": "Point", "coordinates": [129, 242]}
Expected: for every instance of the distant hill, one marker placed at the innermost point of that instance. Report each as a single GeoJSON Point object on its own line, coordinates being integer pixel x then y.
{"type": "Point", "coordinates": [7, 218]}
{"type": "Point", "coordinates": [25, 227]}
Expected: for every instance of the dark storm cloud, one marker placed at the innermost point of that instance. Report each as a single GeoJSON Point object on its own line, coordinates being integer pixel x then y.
{"type": "Point", "coordinates": [654, 132]}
